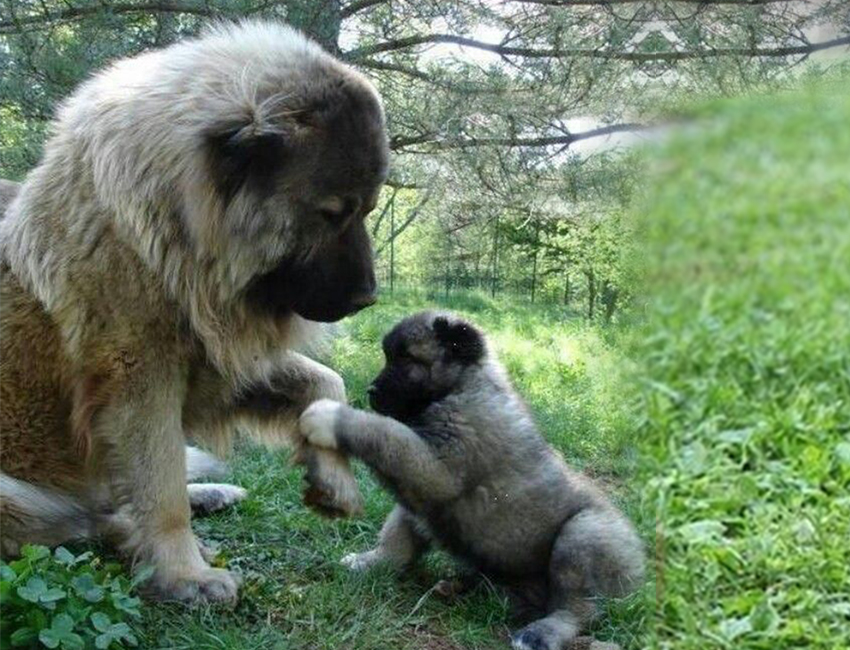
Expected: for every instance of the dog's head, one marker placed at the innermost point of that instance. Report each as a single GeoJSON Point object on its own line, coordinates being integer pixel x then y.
{"type": "Point", "coordinates": [427, 356]}
{"type": "Point", "coordinates": [250, 154]}
{"type": "Point", "coordinates": [297, 174]}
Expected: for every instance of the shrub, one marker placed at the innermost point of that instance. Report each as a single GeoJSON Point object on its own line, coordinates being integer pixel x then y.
{"type": "Point", "coordinates": [66, 601]}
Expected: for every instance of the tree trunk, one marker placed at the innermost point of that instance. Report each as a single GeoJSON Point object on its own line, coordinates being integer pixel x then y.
{"type": "Point", "coordinates": [392, 247]}
{"type": "Point", "coordinates": [609, 299]}
{"type": "Point", "coordinates": [534, 262]}
{"type": "Point", "coordinates": [448, 264]}
{"type": "Point", "coordinates": [591, 293]}
{"type": "Point", "coordinates": [494, 278]}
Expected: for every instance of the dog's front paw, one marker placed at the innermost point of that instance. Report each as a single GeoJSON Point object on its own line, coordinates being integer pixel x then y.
{"type": "Point", "coordinates": [180, 572]}
{"type": "Point", "coordinates": [317, 423]}
{"type": "Point", "coordinates": [200, 586]}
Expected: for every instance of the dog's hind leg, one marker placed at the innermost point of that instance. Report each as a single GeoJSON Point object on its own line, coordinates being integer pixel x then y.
{"type": "Point", "coordinates": [30, 514]}
{"type": "Point", "coordinates": [597, 553]}
{"type": "Point", "coordinates": [205, 498]}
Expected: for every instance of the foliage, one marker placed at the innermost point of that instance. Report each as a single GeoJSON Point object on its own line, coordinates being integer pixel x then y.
{"type": "Point", "coordinates": [66, 601]}
{"type": "Point", "coordinates": [745, 368]}
{"type": "Point", "coordinates": [499, 112]}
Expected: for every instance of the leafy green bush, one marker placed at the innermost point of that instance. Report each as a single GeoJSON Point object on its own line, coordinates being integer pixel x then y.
{"type": "Point", "coordinates": [66, 601]}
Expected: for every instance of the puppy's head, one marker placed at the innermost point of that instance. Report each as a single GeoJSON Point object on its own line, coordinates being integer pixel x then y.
{"type": "Point", "coordinates": [427, 356]}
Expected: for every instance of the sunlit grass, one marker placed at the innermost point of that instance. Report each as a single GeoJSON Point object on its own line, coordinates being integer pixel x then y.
{"type": "Point", "coordinates": [747, 368]}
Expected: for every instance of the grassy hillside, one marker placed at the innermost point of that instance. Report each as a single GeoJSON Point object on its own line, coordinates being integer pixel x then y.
{"type": "Point", "coordinates": [747, 376]}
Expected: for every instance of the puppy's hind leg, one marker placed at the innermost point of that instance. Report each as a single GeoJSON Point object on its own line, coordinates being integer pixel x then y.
{"type": "Point", "coordinates": [597, 553]}
{"type": "Point", "coordinates": [400, 543]}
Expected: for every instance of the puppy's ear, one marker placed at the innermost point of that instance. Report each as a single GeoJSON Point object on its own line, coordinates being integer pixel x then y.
{"type": "Point", "coordinates": [460, 340]}
{"type": "Point", "coordinates": [242, 156]}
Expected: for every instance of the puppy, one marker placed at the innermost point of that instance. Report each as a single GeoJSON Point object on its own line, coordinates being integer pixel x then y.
{"type": "Point", "coordinates": [461, 453]}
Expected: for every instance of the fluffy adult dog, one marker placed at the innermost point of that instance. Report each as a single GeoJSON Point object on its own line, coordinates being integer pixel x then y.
{"type": "Point", "coordinates": [460, 451]}
{"type": "Point", "coordinates": [197, 210]}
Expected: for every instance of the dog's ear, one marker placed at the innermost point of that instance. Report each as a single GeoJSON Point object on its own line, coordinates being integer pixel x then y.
{"type": "Point", "coordinates": [460, 340]}
{"type": "Point", "coordinates": [241, 155]}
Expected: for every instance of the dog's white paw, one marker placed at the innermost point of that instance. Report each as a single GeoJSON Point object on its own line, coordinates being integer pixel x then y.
{"type": "Point", "coordinates": [359, 561]}
{"type": "Point", "coordinates": [203, 586]}
{"type": "Point", "coordinates": [317, 423]}
{"type": "Point", "coordinates": [212, 497]}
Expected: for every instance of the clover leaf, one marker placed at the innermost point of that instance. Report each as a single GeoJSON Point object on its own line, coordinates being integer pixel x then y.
{"type": "Point", "coordinates": [33, 589]}
{"type": "Point", "coordinates": [61, 632]}
{"type": "Point", "coordinates": [86, 587]}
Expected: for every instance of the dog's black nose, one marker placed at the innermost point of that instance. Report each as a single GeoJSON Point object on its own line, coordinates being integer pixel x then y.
{"type": "Point", "coordinates": [363, 300]}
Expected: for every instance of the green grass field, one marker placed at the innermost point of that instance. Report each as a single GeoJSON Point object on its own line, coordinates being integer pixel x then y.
{"type": "Point", "coordinates": [741, 375]}
{"type": "Point", "coordinates": [747, 376]}
{"type": "Point", "coordinates": [296, 595]}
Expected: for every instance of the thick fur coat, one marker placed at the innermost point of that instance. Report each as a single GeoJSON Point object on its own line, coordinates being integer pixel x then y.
{"type": "Point", "coordinates": [197, 210]}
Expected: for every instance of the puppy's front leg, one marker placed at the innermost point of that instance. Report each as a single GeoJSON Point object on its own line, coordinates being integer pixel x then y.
{"type": "Point", "coordinates": [141, 431]}
{"type": "Point", "coordinates": [387, 446]}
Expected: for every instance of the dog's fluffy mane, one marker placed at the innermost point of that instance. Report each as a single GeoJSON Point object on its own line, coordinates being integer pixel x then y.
{"type": "Point", "coordinates": [129, 146]}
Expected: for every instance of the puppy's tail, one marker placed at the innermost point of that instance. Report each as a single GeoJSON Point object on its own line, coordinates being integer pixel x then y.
{"type": "Point", "coordinates": [35, 515]}
{"type": "Point", "coordinates": [200, 464]}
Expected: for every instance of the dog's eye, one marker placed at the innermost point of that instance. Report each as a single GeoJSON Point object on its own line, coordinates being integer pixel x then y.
{"type": "Point", "coordinates": [337, 210]}
{"type": "Point", "coordinates": [334, 218]}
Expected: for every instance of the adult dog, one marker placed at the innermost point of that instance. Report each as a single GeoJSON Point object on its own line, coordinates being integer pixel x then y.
{"type": "Point", "coordinates": [197, 210]}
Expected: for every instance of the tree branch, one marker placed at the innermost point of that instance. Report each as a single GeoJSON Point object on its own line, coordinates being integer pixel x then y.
{"type": "Point", "coordinates": [603, 3]}
{"type": "Point", "coordinates": [581, 3]}
{"type": "Point", "coordinates": [72, 12]}
{"type": "Point", "coordinates": [411, 216]}
{"type": "Point", "coordinates": [394, 67]}
{"type": "Point", "coordinates": [437, 144]}
{"type": "Point", "coordinates": [387, 206]}
{"type": "Point", "coordinates": [358, 5]}
{"type": "Point", "coordinates": [637, 57]}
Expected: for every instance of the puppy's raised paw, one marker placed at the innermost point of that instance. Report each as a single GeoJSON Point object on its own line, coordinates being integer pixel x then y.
{"type": "Point", "coordinates": [317, 423]}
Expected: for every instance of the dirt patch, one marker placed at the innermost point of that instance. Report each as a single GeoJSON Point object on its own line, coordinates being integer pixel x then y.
{"type": "Point", "coordinates": [427, 640]}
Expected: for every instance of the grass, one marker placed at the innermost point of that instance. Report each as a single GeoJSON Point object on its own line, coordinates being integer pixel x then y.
{"type": "Point", "coordinates": [746, 426]}
{"type": "Point", "coordinates": [296, 595]}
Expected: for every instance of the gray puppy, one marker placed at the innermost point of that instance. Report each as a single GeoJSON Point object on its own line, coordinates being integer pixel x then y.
{"type": "Point", "coordinates": [460, 451]}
